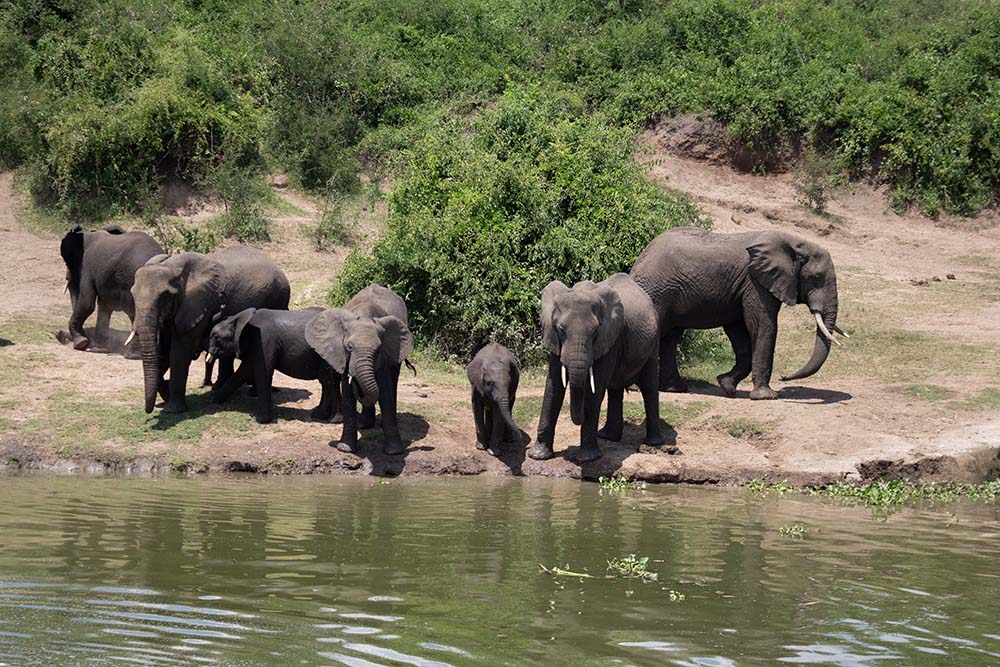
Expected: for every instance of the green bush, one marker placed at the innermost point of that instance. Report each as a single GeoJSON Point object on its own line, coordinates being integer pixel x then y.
{"type": "Point", "coordinates": [490, 209]}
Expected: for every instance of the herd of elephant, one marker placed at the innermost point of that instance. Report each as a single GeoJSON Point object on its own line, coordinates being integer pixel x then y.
{"type": "Point", "coordinates": [602, 338]}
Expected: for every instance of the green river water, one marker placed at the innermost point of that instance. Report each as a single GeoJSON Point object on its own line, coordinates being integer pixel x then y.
{"type": "Point", "coordinates": [445, 572]}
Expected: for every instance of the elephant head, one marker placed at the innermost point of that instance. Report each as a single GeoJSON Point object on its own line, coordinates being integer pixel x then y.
{"type": "Point", "coordinates": [174, 295]}
{"type": "Point", "coordinates": [797, 271]}
{"type": "Point", "coordinates": [359, 346]}
{"type": "Point", "coordinates": [224, 341]}
{"type": "Point", "coordinates": [580, 325]}
{"type": "Point", "coordinates": [493, 378]}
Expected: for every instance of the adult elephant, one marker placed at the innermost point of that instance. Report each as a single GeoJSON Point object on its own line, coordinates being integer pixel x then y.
{"type": "Point", "coordinates": [177, 297]}
{"type": "Point", "coordinates": [100, 270]}
{"type": "Point", "coordinates": [701, 280]}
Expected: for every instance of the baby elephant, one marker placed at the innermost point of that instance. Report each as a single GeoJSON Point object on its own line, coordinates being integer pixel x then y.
{"type": "Point", "coordinates": [265, 341]}
{"type": "Point", "coordinates": [494, 374]}
{"type": "Point", "coordinates": [366, 342]}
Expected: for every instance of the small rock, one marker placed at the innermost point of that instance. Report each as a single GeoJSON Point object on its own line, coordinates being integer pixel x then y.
{"type": "Point", "coordinates": [936, 279]}
{"type": "Point", "coordinates": [919, 282]}
{"type": "Point", "coordinates": [738, 219]}
{"type": "Point", "coordinates": [279, 181]}
{"type": "Point", "coordinates": [422, 394]}
{"type": "Point", "coordinates": [950, 276]}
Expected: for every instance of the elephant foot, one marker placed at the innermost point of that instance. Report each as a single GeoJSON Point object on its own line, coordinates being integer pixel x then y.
{"type": "Point", "coordinates": [80, 342]}
{"type": "Point", "coordinates": [264, 419]}
{"type": "Point", "coordinates": [541, 452]}
{"type": "Point", "coordinates": [728, 385]}
{"type": "Point", "coordinates": [677, 386]}
{"type": "Point", "coordinates": [588, 454]}
{"type": "Point", "coordinates": [345, 447]}
{"type": "Point", "coordinates": [493, 450]}
{"type": "Point", "coordinates": [393, 448]}
{"type": "Point", "coordinates": [610, 434]}
{"type": "Point", "coordinates": [764, 393]}
{"type": "Point", "coordinates": [337, 418]}
{"type": "Point", "coordinates": [654, 440]}
{"type": "Point", "coordinates": [131, 353]}
{"type": "Point", "coordinates": [174, 407]}
{"type": "Point", "coordinates": [480, 446]}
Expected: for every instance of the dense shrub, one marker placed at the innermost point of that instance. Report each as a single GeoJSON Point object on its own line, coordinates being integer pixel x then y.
{"type": "Point", "coordinates": [492, 208]}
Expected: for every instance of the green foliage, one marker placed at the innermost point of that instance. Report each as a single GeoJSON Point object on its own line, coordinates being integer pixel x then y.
{"type": "Point", "coordinates": [815, 179]}
{"type": "Point", "coordinates": [178, 236]}
{"type": "Point", "coordinates": [244, 191]}
{"type": "Point", "coordinates": [618, 484]}
{"type": "Point", "coordinates": [886, 495]}
{"type": "Point", "coordinates": [490, 209]}
{"type": "Point", "coordinates": [632, 567]}
{"type": "Point", "coordinates": [795, 531]}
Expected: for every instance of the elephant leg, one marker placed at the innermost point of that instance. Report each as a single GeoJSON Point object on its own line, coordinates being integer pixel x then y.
{"type": "Point", "coordinates": [224, 390]}
{"type": "Point", "coordinates": [225, 370]}
{"type": "Point", "coordinates": [387, 405]}
{"type": "Point", "coordinates": [324, 410]}
{"type": "Point", "coordinates": [651, 403]}
{"type": "Point", "coordinates": [552, 402]}
{"type": "Point", "coordinates": [180, 362]}
{"type": "Point", "coordinates": [615, 425]}
{"type": "Point", "coordinates": [589, 450]}
{"type": "Point", "coordinates": [496, 427]}
{"type": "Point", "coordinates": [763, 332]}
{"type": "Point", "coordinates": [102, 333]}
{"type": "Point", "coordinates": [336, 401]}
{"type": "Point", "coordinates": [83, 307]}
{"type": "Point", "coordinates": [263, 375]}
{"type": "Point", "coordinates": [480, 419]}
{"type": "Point", "coordinates": [670, 376]}
{"type": "Point", "coordinates": [739, 336]}
{"type": "Point", "coordinates": [349, 436]}
{"type": "Point", "coordinates": [367, 418]}
{"type": "Point", "coordinates": [209, 367]}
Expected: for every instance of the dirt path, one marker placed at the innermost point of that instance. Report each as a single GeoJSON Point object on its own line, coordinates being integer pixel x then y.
{"type": "Point", "coordinates": [916, 391]}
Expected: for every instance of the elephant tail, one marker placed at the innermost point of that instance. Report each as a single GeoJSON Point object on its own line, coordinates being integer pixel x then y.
{"type": "Point", "coordinates": [410, 366]}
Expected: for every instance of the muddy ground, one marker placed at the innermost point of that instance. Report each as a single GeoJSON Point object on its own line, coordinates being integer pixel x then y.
{"type": "Point", "coordinates": [914, 392]}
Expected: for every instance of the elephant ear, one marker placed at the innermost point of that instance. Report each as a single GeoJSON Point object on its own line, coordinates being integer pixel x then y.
{"type": "Point", "coordinates": [112, 229]}
{"type": "Point", "coordinates": [550, 336]}
{"type": "Point", "coordinates": [612, 320]}
{"type": "Point", "coordinates": [242, 319]}
{"type": "Point", "coordinates": [397, 341]}
{"type": "Point", "coordinates": [71, 250]}
{"type": "Point", "coordinates": [327, 335]}
{"type": "Point", "coordinates": [774, 264]}
{"type": "Point", "coordinates": [201, 296]}
{"type": "Point", "coordinates": [157, 259]}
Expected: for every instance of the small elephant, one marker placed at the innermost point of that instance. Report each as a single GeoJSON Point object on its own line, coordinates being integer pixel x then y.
{"type": "Point", "coordinates": [176, 299]}
{"type": "Point", "coordinates": [494, 374]}
{"type": "Point", "coordinates": [366, 342]}
{"type": "Point", "coordinates": [272, 340]}
{"type": "Point", "coordinates": [100, 268]}
{"type": "Point", "coordinates": [600, 337]}
{"type": "Point", "coordinates": [701, 280]}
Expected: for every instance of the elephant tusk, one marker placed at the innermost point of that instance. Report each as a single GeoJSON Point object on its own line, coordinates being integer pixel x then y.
{"type": "Point", "coordinates": [824, 330]}
{"type": "Point", "coordinates": [66, 289]}
{"type": "Point", "coordinates": [593, 390]}
{"type": "Point", "coordinates": [128, 340]}
{"type": "Point", "coordinates": [837, 329]}
{"type": "Point", "coordinates": [208, 357]}
{"type": "Point", "coordinates": [565, 377]}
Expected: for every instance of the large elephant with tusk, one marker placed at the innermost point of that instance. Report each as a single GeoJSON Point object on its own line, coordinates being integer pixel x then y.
{"type": "Point", "coordinates": [177, 300]}
{"type": "Point", "coordinates": [601, 337]}
{"type": "Point", "coordinates": [700, 280]}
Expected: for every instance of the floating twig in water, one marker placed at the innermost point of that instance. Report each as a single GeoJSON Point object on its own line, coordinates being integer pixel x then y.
{"type": "Point", "coordinates": [559, 572]}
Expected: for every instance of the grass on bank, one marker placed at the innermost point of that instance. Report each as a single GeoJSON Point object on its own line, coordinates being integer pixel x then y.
{"type": "Point", "coordinates": [884, 494]}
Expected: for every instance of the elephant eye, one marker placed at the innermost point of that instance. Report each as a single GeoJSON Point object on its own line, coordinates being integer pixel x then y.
{"type": "Point", "coordinates": [349, 346]}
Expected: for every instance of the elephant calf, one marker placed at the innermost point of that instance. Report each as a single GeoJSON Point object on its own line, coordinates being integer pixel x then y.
{"type": "Point", "coordinates": [366, 342]}
{"type": "Point", "coordinates": [100, 269]}
{"type": "Point", "coordinates": [265, 341]}
{"type": "Point", "coordinates": [494, 373]}
{"type": "Point", "coordinates": [605, 337]}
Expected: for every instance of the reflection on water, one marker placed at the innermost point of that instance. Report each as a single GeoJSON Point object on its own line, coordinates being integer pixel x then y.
{"type": "Point", "coordinates": [444, 573]}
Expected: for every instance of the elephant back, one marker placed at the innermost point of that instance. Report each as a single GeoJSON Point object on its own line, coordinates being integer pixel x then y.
{"type": "Point", "coordinates": [378, 301]}
{"type": "Point", "coordinates": [251, 280]}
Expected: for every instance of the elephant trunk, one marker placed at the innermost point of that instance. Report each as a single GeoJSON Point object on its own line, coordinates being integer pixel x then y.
{"type": "Point", "coordinates": [149, 348]}
{"type": "Point", "coordinates": [364, 379]}
{"type": "Point", "coordinates": [821, 346]}
{"type": "Point", "coordinates": [503, 403]}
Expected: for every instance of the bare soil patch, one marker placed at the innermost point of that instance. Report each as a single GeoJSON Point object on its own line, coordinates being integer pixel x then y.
{"type": "Point", "coordinates": [910, 395]}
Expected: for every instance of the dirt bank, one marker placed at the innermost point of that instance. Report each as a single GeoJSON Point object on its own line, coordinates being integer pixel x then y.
{"type": "Point", "coordinates": [915, 393]}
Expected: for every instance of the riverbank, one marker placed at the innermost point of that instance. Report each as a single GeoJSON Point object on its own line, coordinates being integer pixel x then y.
{"type": "Point", "coordinates": [914, 393]}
